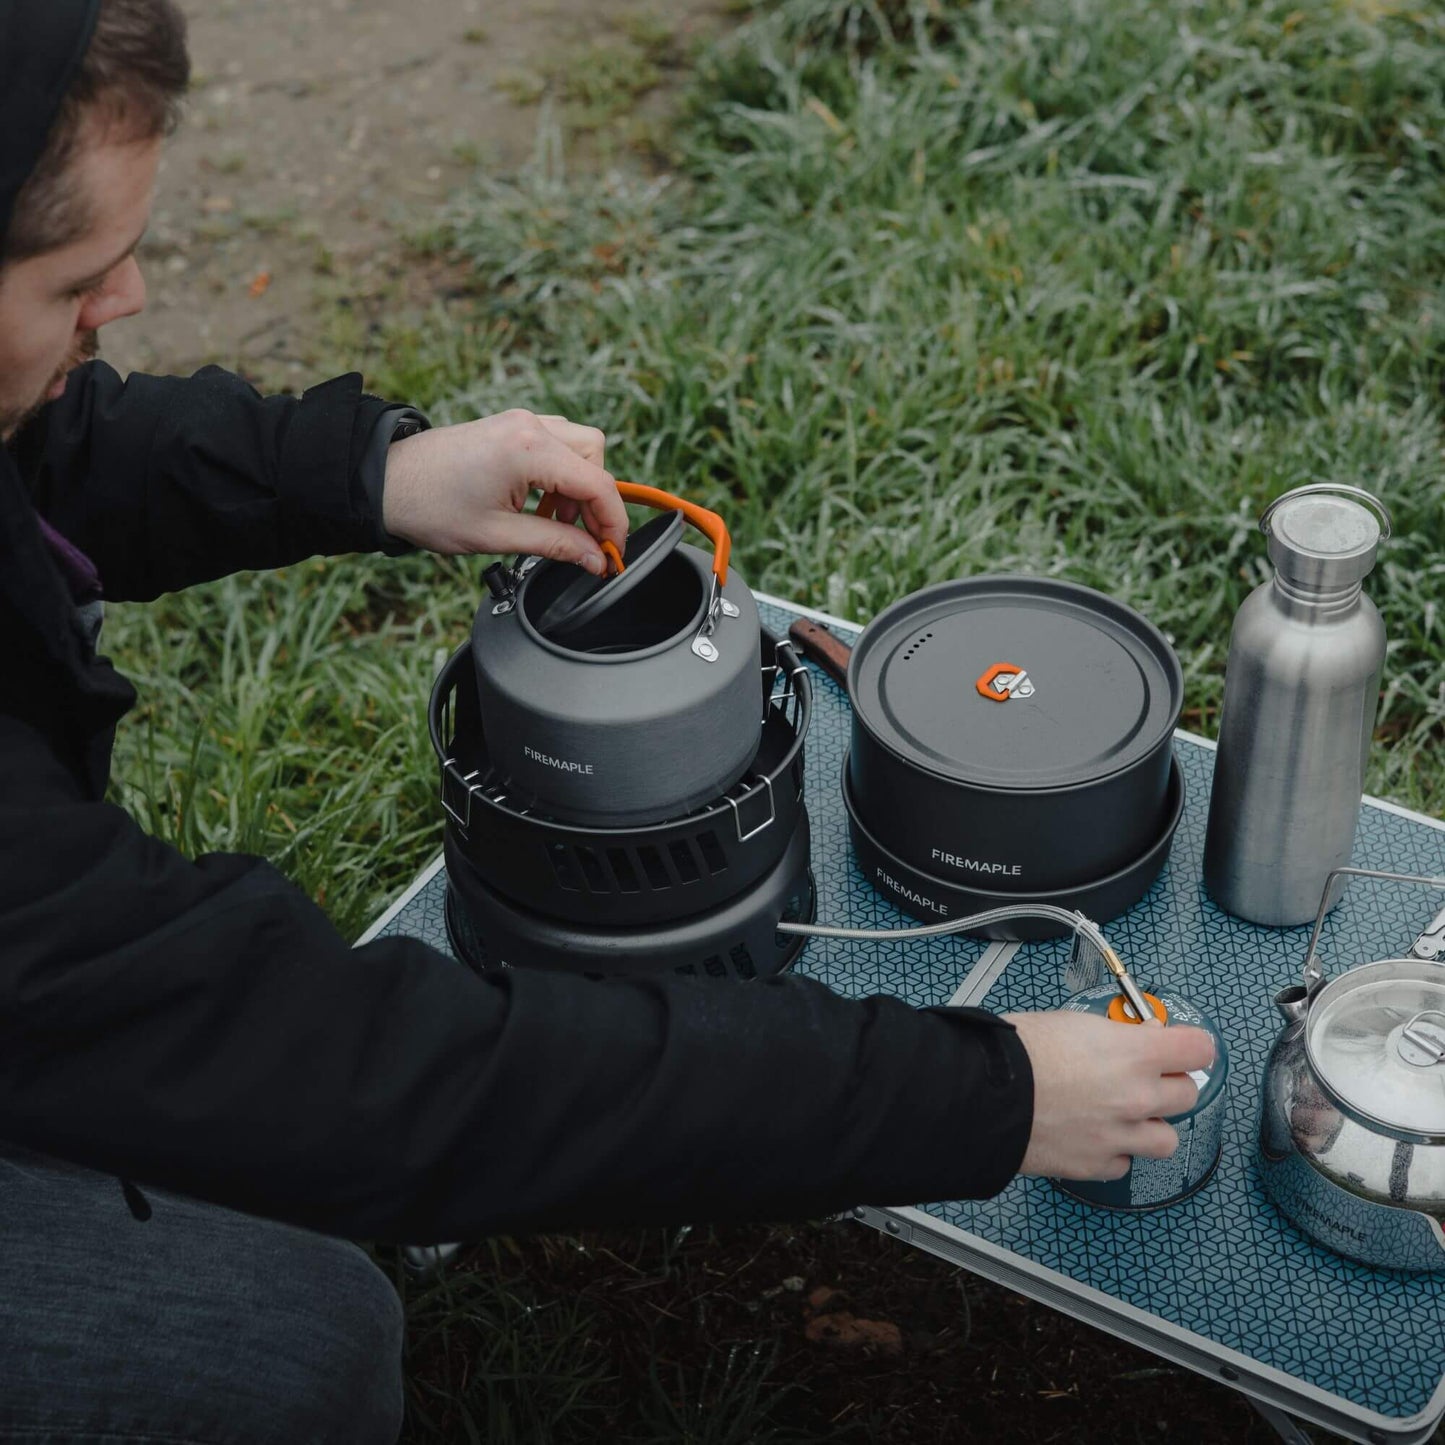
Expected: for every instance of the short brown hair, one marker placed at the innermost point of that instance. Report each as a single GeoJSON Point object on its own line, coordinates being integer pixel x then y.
{"type": "Point", "coordinates": [133, 76]}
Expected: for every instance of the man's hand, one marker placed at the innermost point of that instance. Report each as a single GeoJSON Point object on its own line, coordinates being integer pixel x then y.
{"type": "Point", "coordinates": [463, 489]}
{"type": "Point", "coordinates": [1102, 1091]}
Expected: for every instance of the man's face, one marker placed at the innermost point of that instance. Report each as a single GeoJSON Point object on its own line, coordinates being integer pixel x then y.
{"type": "Point", "coordinates": [52, 305]}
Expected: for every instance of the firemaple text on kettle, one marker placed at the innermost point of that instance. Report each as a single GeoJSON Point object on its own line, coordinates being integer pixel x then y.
{"type": "Point", "coordinates": [972, 865]}
{"type": "Point", "coordinates": [1330, 1222]}
{"type": "Point", "coordinates": [910, 895]}
{"type": "Point", "coordinates": [560, 763]}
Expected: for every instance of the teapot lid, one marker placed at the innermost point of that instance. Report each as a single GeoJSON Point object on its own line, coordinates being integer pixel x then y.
{"type": "Point", "coordinates": [585, 598]}
{"type": "Point", "coordinates": [1376, 1039]}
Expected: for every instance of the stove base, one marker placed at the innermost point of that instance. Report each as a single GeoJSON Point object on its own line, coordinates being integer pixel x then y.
{"type": "Point", "coordinates": [738, 939]}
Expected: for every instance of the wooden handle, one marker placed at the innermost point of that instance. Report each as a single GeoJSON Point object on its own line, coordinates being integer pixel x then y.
{"type": "Point", "coordinates": [826, 648]}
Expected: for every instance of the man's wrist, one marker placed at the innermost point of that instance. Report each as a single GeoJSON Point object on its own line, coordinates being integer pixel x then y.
{"type": "Point", "coordinates": [391, 426]}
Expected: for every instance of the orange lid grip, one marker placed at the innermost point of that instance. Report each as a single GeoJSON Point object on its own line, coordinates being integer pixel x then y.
{"type": "Point", "coordinates": [708, 523]}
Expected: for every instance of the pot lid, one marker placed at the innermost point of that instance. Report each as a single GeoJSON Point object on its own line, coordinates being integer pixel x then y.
{"type": "Point", "coordinates": [1018, 683]}
{"type": "Point", "coordinates": [1376, 1038]}
{"type": "Point", "coordinates": [583, 600]}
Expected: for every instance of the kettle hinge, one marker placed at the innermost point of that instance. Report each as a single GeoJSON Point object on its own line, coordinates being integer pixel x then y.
{"type": "Point", "coordinates": [717, 606]}
{"type": "Point", "coordinates": [1431, 943]}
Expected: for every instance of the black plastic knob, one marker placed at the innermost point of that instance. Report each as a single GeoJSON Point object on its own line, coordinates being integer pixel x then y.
{"type": "Point", "coordinates": [498, 580]}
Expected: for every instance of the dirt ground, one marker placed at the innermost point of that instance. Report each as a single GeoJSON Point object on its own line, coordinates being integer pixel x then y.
{"type": "Point", "coordinates": [861, 1341]}
{"type": "Point", "coordinates": [321, 133]}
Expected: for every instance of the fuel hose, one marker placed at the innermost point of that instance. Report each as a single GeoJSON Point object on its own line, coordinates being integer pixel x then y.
{"type": "Point", "coordinates": [1086, 928]}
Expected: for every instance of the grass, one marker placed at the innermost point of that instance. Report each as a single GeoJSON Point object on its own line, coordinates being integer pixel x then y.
{"type": "Point", "coordinates": [718, 1337]}
{"type": "Point", "coordinates": [501, 1361]}
{"type": "Point", "coordinates": [600, 82]}
{"type": "Point", "coordinates": [285, 715]}
{"type": "Point", "coordinates": [1070, 287]}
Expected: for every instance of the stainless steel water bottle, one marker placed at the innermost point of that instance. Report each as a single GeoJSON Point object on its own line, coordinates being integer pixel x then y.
{"type": "Point", "coordinates": [1301, 688]}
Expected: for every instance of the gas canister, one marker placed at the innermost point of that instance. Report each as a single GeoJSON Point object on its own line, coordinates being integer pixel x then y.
{"type": "Point", "coordinates": [1149, 1183]}
{"type": "Point", "coordinates": [1154, 1183]}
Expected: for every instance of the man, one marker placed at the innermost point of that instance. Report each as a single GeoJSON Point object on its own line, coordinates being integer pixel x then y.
{"type": "Point", "coordinates": [199, 1028]}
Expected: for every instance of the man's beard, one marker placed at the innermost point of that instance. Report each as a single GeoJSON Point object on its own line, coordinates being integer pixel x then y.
{"type": "Point", "coordinates": [86, 348]}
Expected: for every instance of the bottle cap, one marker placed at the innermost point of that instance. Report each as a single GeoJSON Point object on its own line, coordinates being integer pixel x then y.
{"type": "Point", "coordinates": [1322, 542]}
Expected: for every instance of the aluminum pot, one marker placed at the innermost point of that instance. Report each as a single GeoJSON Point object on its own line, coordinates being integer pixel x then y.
{"type": "Point", "coordinates": [1351, 1142]}
{"type": "Point", "coordinates": [1013, 733]}
{"type": "Point", "coordinates": [626, 700]}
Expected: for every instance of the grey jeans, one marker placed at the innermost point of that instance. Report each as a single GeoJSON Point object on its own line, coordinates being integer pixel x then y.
{"type": "Point", "coordinates": [198, 1326]}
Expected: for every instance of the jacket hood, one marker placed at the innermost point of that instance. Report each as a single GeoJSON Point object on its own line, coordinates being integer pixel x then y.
{"type": "Point", "coordinates": [41, 43]}
{"type": "Point", "coordinates": [45, 673]}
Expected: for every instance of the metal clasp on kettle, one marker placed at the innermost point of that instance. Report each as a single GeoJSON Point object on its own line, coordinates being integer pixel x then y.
{"type": "Point", "coordinates": [457, 790]}
{"type": "Point", "coordinates": [764, 785]}
{"type": "Point", "coordinates": [1429, 945]}
{"type": "Point", "coordinates": [717, 606]}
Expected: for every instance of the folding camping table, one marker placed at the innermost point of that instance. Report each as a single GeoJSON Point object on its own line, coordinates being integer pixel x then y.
{"type": "Point", "coordinates": [1220, 1283]}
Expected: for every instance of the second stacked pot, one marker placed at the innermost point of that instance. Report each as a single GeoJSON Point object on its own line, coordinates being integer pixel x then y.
{"type": "Point", "coordinates": [1012, 740]}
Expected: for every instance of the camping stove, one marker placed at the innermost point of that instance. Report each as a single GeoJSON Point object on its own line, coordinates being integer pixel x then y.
{"type": "Point", "coordinates": [700, 893]}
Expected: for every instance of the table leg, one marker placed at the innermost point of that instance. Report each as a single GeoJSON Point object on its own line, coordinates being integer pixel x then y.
{"type": "Point", "coordinates": [1285, 1426]}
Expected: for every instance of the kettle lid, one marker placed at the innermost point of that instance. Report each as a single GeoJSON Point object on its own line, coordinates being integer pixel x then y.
{"type": "Point", "coordinates": [1323, 540]}
{"type": "Point", "coordinates": [585, 598]}
{"type": "Point", "coordinates": [1376, 1038]}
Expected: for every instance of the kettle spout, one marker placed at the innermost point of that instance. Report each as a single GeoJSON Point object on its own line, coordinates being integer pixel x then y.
{"type": "Point", "coordinates": [1293, 1003]}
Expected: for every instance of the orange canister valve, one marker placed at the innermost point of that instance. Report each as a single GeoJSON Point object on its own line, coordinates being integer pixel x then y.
{"type": "Point", "coordinates": [1121, 1011]}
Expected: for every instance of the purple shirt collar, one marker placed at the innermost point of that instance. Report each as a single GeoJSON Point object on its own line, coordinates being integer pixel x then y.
{"type": "Point", "coordinates": [79, 571]}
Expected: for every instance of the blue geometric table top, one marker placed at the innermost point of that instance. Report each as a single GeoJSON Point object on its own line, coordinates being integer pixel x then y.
{"type": "Point", "coordinates": [1226, 1265]}
{"type": "Point", "coordinates": [1223, 1268]}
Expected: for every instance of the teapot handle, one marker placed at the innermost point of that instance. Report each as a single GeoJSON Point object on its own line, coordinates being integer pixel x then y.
{"type": "Point", "coordinates": [1429, 944]}
{"type": "Point", "coordinates": [708, 523]}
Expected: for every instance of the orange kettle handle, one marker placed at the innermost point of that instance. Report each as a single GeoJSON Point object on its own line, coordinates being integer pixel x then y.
{"type": "Point", "coordinates": [708, 523]}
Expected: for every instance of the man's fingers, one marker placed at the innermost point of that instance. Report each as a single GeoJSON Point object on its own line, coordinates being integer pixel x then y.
{"type": "Point", "coordinates": [1177, 1093]}
{"type": "Point", "coordinates": [555, 467]}
{"type": "Point", "coordinates": [1177, 1050]}
{"type": "Point", "coordinates": [587, 441]}
{"type": "Point", "coordinates": [545, 537]}
{"type": "Point", "coordinates": [1153, 1139]}
{"type": "Point", "coordinates": [598, 519]}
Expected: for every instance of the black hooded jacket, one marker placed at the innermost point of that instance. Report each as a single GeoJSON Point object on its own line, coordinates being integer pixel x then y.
{"type": "Point", "coordinates": [201, 1025]}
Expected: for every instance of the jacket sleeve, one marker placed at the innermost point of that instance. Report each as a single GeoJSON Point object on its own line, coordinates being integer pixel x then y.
{"type": "Point", "coordinates": [169, 481]}
{"type": "Point", "coordinates": [202, 1027]}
